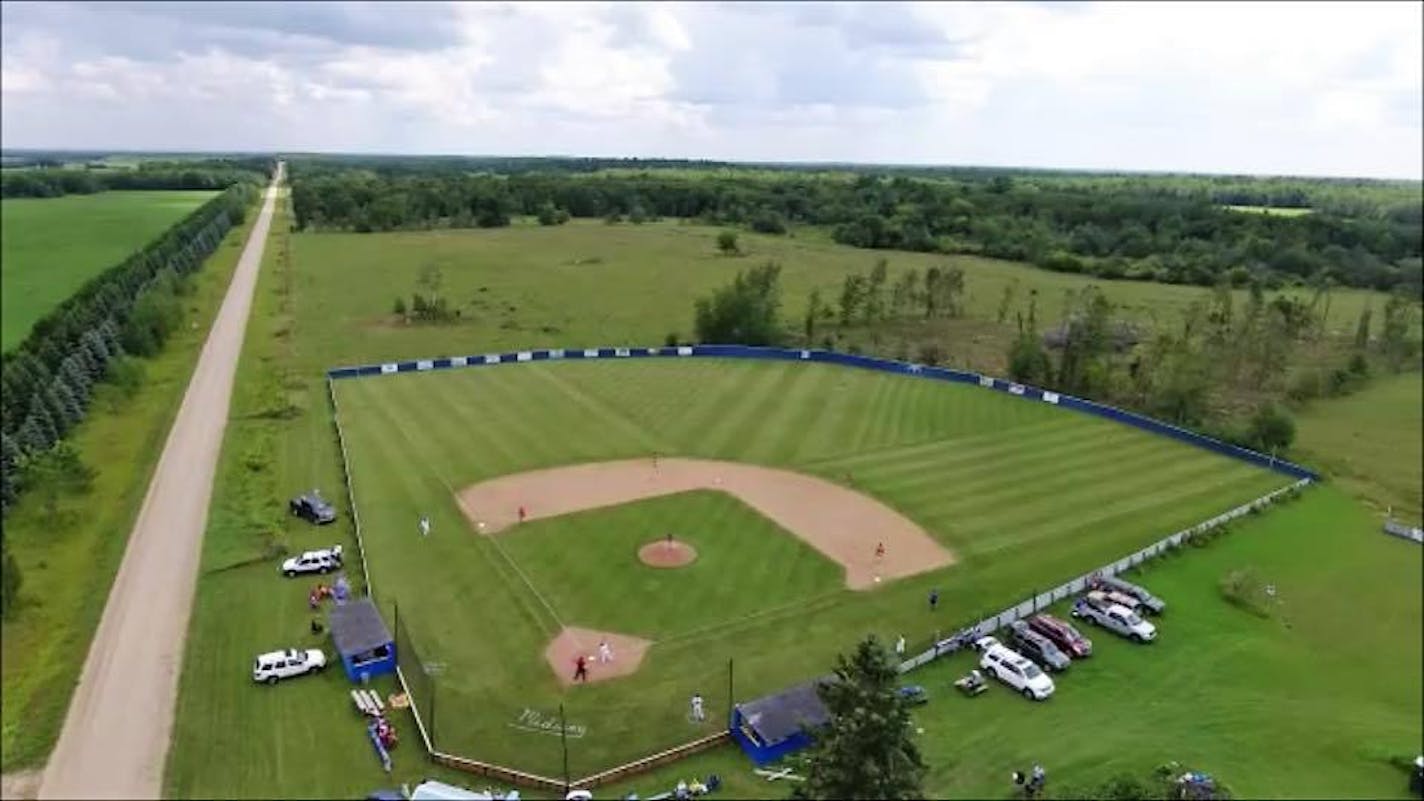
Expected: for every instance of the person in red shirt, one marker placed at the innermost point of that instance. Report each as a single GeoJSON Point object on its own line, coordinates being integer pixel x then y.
{"type": "Point", "coordinates": [880, 551]}
{"type": "Point", "coordinates": [521, 514]}
{"type": "Point", "coordinates": [581, 668]}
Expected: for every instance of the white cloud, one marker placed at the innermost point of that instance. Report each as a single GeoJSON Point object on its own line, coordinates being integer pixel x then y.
{"type": "Point", "coordinates": [1310, 88]}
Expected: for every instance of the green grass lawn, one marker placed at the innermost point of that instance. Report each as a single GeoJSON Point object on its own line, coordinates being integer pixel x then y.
{"type": "Point", "coordinates": [52, 246]}
{"type": "Point", "coordinates": [330, 305]}
{"type": "Point", "coordinates": [586, 565]}
{"type": "Point", "coordinates": [68, 564]}
{"type": "Point", "coordinates": [1310, 703]}
{"type": "Point", "coordinates": [1027, 494]}
{"type": "Point", "coordinates": [1371, 442]}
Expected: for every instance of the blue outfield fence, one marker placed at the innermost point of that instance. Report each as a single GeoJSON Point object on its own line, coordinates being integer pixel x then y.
{"type": "Point", "coordinates": [849, 360]}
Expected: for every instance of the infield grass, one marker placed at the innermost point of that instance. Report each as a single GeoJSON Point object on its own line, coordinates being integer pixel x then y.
{"type": "Point", "coordinates": [49, 247]}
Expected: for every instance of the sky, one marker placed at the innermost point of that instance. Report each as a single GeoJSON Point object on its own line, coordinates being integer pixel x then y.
{"type": "Point", "coordinates": [1261, 88]}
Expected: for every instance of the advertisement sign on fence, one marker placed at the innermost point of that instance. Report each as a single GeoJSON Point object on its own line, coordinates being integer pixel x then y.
{"type": "Point", "coordinates": [388, 368]}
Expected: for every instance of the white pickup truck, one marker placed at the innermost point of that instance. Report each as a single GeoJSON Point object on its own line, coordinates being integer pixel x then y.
{"type": "Point", "coordinates": [1097, 609]}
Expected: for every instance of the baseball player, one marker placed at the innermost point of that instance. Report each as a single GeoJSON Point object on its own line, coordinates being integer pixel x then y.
{"type": "Point", "coordinates": [880, 552]}
{"type": "Point", "coordinates": [521, 514]}
{"type": "Point", "coordinates": [697, 712]}
{"type": "Point", "coordinates": [581, 668]}
{"type": "Point", "coordinates": [605, 652]}
{"type": "Point", "coordinates": [424, 526]}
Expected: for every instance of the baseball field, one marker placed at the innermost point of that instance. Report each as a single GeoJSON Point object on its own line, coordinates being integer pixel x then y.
{"type": "Point", "coordinates": [978, 495]}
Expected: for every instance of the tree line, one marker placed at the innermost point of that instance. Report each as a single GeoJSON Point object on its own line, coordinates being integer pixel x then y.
{"type": "Point", "coordinates": [48, 382]}
{"type": "Point", "coordinates": [195, 175]}
{"type": "Point", "coordinates": [1113, 230]}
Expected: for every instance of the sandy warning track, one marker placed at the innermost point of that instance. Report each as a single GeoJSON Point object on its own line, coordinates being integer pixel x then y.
{"type": "Point", "coordinates": [842, 524]}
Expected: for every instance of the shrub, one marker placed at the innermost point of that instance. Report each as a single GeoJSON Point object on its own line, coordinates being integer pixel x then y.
{"type": "Point", "coordinates": [670, 340]}
{"type": "Point", "coordinates": [398, 307]}
{"type": "Point", "coordinates": [727, 243]}
{"type": "Point", "coordinates": [1245, 590]}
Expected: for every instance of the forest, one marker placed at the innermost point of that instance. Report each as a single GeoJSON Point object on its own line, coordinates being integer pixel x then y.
{"type": "Point", "coordinates": [56, 181]}
{"type": "Point", "coordinates": [1174, 229]}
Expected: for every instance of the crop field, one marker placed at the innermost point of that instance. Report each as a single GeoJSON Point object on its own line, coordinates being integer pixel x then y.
{"type": "Point", "coordinates": [51, 246]}
{"type": "Point", "coordinates": [1024, 494]}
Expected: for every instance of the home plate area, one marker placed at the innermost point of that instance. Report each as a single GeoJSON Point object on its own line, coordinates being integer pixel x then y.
{"type": "Point", "coordinates": [623, 656]}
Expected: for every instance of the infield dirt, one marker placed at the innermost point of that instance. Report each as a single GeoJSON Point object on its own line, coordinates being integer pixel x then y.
{"type": "Point", "coordinates": [844, 525]}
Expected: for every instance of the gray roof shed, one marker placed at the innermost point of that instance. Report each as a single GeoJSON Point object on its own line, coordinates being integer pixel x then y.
{"type": "Point", "coordinates": [357, 628]}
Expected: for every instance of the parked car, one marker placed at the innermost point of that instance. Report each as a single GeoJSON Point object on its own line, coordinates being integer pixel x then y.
{"type": "Point", "coordinates": [1062, 634]}
{"type": "Point", "coordinates": [313, 508]}
{"type": "Point", "coordinates": [321, 561]}
{"type": "Point", "coordinates": [1150, 602]}
{"type": "Point", "coordinates": [1121, 599]}
{"type": "Point", "coordinates": [277, 665]}
{"type": "Point", "coordinates": [1014, 670]}
{"type": "Point", "coordinates": [1037, 647]}
{"type": "Point", "coordinates": [985, 643]}
{"type": "Point", "coordinates": [1098, 610]}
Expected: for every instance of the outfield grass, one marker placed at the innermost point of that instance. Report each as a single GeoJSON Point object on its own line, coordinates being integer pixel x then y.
{"type": "Point", "coordinates": [1027, 494]}
{"type": "Point", "coordinates": [1372, 442]}
{"type": "Point", "coordinates": [68, 565]}
{"type": "Point", "coordinates": [52, 246]}
{"type": "Point", "coordinates": [1308, 704]}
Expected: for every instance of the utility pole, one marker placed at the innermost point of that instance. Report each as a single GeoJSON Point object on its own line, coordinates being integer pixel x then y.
{"type": "Point", "coordinates": [564, 741]}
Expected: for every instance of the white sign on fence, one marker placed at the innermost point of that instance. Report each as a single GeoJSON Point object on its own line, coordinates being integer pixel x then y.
{"type": "Point", "coordinates": [805, 354]}
{"type": "Point", "coordinates": [459, 361]}
{"type": "Point", "coordinates": [1050, 397]}
{"type": "Point", "coordinates": [492, 358]}
{"type": "Point", "coordinates": [424, 364]}
{"type": "Point", "coordinates": [986, 381]}
{"type": "Point", "coordinates": [684, 351]}
{"type": "Point", "coordinates": [620, 351]}
{"type": "Point", "coordinates": [556, 353]}
{"type": "Point", "coordinates": [524, 356]}
{"type": "Point", "coordinates": [1016, 389]}
{"type": "Point", "coordinates": [590, 353]}
{"type": "Point", "coordinates": [388, 368]}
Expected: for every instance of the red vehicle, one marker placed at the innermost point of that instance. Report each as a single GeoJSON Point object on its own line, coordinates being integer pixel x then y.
{"type": "Point", "coordinates": [1063, 635]}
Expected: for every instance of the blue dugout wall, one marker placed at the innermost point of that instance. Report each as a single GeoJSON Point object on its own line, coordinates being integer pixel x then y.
{"type": "Point", "coordinates": [849, 360]}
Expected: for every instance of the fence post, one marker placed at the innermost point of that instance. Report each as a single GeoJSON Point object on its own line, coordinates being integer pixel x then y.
{"type": "Point", "coordinates": [564, 741]}
{"type": "Point", "coordinates": [731, 698]}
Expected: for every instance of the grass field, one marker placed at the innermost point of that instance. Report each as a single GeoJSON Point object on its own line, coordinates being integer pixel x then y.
{"type": "Point", "coordinates": [1275, 211]}
{"type": "Point", "coordinates": [1026, 493]}
{"type": "Point", "coordinates": [330, 305]}
{"type": "Point", "coordinates": [1310, 703]}
{"type": "Point", "coordinates": [51, 246]}
{"type": "Point", "coordinates": [1371, 442]}
{"type": "Point", "coordinates": [68, 565]}
{"type": "Point", "coordinates": [530, 286]}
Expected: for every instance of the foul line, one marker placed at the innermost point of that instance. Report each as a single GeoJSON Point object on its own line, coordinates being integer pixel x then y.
{"type": "Point", "coordinates": [464, 510]}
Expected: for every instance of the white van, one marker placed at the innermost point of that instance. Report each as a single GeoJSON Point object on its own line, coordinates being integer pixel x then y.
{"type": "Point", "coordinates": [1013, 669]}
{"type": "Point", "coordinates": [276, 665]}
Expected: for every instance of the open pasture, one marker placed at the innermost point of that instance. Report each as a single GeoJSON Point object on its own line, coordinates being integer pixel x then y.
{"type": "Point", "coordinates": [51, 246]}
{"type": "Point", "coordinates": [1024, 494]}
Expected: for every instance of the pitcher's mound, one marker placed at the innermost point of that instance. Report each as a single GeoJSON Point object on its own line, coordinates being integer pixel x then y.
{"type": "Point", "coordinates": [625, 654]}
{"type": "Point", "coordinates": [667, 554]}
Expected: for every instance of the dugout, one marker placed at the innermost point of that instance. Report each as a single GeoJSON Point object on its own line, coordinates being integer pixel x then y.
{"type": "Point", "coordinates": [362, 640]}
{"type": "Point", "coordinates": [770, 728]}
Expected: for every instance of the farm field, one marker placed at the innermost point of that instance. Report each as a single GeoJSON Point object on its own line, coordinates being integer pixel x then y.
{"type": "Point", "coordinates": [1371, 442]}
{"type": "Point", "coordinates": [52, 246]}
{"type": "Point", "coordinates": [1026, 494]}
{"type": "Point", "coordinates": [1222, 690]}
{"type": "Point", "coordinates": [68, 563]}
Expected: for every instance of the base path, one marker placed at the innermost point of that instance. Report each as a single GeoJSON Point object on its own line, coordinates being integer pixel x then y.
{"type": "Point", "coordinates": [115, 737]}
{"type": "Point", "coordinates": [842, 524]}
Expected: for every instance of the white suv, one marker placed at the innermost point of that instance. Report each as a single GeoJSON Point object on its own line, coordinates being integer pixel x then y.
{"type": "Point", "coordinates": [277, 665]}
{"type": "Point", "coordinates": [323, 561]}
{"type": "Point", "coordinates": [1014, 670]}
